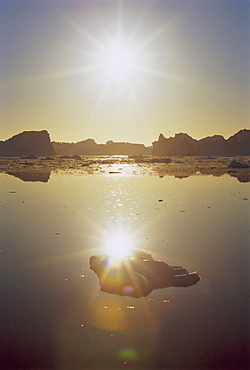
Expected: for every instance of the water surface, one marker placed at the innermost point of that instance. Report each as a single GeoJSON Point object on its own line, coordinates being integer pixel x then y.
{"type": "Point", "coordinates": [52, 311]}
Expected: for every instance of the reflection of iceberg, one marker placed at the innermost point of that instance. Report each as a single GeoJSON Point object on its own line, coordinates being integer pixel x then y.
{"type": "Point", "coordinates": [41, 175]}
{"type": "Point", "coordinates": [138, 274]}
{"type": "Point", "coordinates": [241, 174]}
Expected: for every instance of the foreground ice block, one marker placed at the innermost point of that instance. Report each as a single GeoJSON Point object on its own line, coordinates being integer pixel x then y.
{"type": "Point", "coordinates": [137, 274]}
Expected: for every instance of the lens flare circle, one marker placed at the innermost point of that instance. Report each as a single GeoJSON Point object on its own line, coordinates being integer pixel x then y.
{"type": "Point", "coordinates": [128, 289]}
{"type": "Point", "coordinates": [128, 353]}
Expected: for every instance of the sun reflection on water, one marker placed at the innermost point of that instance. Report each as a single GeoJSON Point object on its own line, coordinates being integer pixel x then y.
{"type": "Point", "coordinates": [118, 246]}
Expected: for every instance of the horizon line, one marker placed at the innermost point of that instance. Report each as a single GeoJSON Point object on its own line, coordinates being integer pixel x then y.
{"type": "Point", "coordinates": [125, 142]}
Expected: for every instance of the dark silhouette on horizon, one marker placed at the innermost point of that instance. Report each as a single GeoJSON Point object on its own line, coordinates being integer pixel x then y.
{"type": "Point", "coordinates": [38, 143]}
{"type": "Point", "coordinates": [27, 143]}
{"type": "Point", "coordinates": [184, 145]}
{"type": "Point", "coordinates": [90, 147]}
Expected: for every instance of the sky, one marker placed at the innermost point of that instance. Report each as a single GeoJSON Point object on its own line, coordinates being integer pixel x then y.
{"type": "Point", "coordinates": [124, 70]}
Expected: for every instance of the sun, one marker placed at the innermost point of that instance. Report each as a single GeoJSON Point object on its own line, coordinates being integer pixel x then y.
{"type": "Point", "coordinates": [121, 57]}
{"type": "Point", "coordinates": [118, 61]}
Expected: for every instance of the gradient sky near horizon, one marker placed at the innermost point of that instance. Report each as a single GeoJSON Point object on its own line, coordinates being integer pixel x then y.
{"type": "Point", "coordinates": [124, 70]}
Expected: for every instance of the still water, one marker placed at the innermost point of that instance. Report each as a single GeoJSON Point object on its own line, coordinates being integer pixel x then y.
{"type": "Point", "coordinates": [54, 315]}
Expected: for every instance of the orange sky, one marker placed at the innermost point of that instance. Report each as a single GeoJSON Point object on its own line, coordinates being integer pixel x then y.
{"type": "Point", "coordinates": [124, 70]}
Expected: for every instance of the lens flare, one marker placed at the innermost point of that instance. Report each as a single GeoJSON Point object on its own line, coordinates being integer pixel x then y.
{"type": "Point", "coordinates": [128, 353]}
{"type": "Point", "coordinates": [128, 289]}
